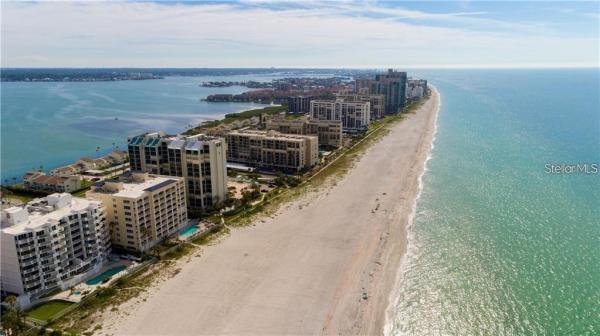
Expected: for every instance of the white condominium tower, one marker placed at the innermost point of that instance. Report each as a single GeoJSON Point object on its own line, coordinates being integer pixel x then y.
{"type": "Point", "coordinates": [142, 209]}
{"type": "Point", "coordinates": [201, 160]}
{"type": "Point", "coordinates": [51, 243]}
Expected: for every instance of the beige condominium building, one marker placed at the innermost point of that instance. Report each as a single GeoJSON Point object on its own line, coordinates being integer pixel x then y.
{"type": "Point", "coordinates": [50, 244]}
{"type": "Point", "coordinates": [142, 209]}
{"type": "Point", "coordinates": [376, 102]}
{"type": "Point", "coordinates": [201, 160]}
{"type": "Point", "coordinates": [355, 116]}
{"type": "Point", "coordinates": [328, 132]}
{"type": "Point", "coordinates": [272, 150]}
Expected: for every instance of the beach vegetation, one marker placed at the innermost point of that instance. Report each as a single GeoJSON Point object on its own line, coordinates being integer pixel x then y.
{"type": "Point", "coordinates": [232, 117]}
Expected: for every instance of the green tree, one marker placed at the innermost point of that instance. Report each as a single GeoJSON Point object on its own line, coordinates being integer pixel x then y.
{"type": "Point", "coordinates": [13, 319]}
{"type": "Point", "coordinates": [280, 180]}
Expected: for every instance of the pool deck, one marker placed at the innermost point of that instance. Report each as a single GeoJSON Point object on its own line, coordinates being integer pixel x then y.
{"type": "Point", "coordinates": [202, 228]}
{"type": "Point", "coordinates": [69, 294]}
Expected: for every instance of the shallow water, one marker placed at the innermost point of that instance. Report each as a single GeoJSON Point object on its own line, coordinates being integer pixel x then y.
{"type": "Point", "coordinates": [498, 246]}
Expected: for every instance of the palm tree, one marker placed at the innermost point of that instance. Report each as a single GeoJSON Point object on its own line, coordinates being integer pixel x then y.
{"type": "Point", "coordinates": [13, 319]}
{"type": "Point", "coordinates": [145, 232]}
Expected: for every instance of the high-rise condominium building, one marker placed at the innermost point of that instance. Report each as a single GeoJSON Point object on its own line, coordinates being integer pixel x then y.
{"type": "Point", "coordinates": [355, 116]}
{"type": "Point", "coordinates": [362, 85]}
{"type": "Point", "coordinates": [142, 209]}
{"type": "Point", "coordinates": [416, 89]}
{"type": "Point", "coordinates": [393, 86]}
{"type": "Point", "coordinates": [273, 150]}
{"type": "Point", "coordinates": [51, 243]}
{"type": "Point", "coordinates": [201, 160]}
{"type": "Point", "coordinates": [376, 101]}
{"type": "Point", "coordinates": [328, 132]}
{"type": "Point", "coordinates": [299, 104]}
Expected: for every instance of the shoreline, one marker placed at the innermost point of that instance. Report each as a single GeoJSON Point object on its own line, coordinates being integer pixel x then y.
{"type": "Point", "coordinates": [387, 326]}
{"type": "Point", "coordinates": [325, 263]}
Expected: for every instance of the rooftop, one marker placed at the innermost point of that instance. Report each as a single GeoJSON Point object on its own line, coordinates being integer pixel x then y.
{"type": "Point", "coordinates": [174, 141]}
{"type": "Point", "coordinates": [271, 134]}
{"type": "Point", "coordinates": [134, 185]}
{"type": "Point", "coordinates": [35, 214]}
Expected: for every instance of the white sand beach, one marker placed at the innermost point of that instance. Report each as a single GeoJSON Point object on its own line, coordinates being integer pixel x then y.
{"type": "Point", "coordinates": [324, 264]}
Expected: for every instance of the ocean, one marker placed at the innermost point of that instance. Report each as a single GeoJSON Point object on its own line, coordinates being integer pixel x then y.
{"type": "Point", "coordinates": [499, 246]}
{"type": "Point", "coordinates": [49, 124]}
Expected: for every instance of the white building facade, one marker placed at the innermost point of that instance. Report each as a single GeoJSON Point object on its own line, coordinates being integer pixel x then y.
{"type": "Point", "coordinates": [51, 243]}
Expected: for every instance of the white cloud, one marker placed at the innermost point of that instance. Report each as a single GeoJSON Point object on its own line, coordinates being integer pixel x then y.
{"type": "Point", "coordinates": [228, 35]}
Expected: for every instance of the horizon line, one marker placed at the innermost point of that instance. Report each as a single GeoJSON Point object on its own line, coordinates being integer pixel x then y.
{"type": "Point", "coordinates": [379, 67]}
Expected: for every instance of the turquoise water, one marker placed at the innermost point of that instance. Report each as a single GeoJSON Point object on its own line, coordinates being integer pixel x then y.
{"type": "Point", "coordinates": [188, 231]}
{"type": "Point", "coordinates": [498, 246]}
{"type": "Point", "coordinates": [105, 275]}
{"type": "Point", "coordinates": [52, 124]}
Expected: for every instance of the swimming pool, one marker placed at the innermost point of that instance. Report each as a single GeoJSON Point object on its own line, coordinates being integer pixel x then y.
{"type": "Point", "coordinates": [188, 231]}
{"type": "Point", "coordinates": [105, 275]}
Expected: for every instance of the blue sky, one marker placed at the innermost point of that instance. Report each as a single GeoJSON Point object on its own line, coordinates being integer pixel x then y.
{"type": "Point", "coordinates": [262, 33]}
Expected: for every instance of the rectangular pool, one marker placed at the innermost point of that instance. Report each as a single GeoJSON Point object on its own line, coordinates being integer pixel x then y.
{"type": "Point", "coordinates": [188, 231]}
{"type": "Point", "coordinates": [105, 275]}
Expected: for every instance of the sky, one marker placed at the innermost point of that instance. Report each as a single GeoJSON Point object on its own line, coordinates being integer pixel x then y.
{"type": "Point", "coordinates": [263, 33]}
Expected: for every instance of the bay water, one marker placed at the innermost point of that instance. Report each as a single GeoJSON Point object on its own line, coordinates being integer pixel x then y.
{"type": "Point", "coordinates": [49, 124]}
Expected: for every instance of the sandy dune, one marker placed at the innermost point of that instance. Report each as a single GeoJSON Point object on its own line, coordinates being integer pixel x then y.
{"type": "Point", "coordinates": [324, 264]}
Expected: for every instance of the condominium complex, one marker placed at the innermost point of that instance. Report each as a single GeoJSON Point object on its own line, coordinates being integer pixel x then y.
{"type": "Point", "coordinates": [328, 132]}
{"type": "Point", "coordinates": [355, 116]}
{"type": "Point", "coordinates": [201, 160]}
{"type": "Point", "coordinates": [272, 150]}
{"type": "Point", "coordinates": [111, 159]}
{"type": "Point", "coordinates": [376, 101]}
{"type": "Point", "coordinates": [393, 86]}
{"type": "Point", "coordinates": [42, 182]}
{"type": "Point", "coordinates": [299, 104]}
{"type": "Point", "coordinates": [52, 243]}
{"type": "Point", "coordinates": [142, 209]}
{"type": "Point", "coordinates": [416, 89]}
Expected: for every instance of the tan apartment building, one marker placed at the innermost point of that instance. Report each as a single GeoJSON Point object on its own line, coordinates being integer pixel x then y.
{"type": "Point", "coordinates": [355, 116]}
{"type": "Point", "coordinates": [272, 150]}
{"type": "Point", "coordinates": [376, 102]}
{"type": "Point", "coordinates": [200, 159]}
{"type": "Point", "coordinates": [142, 209]}
{"type": "Point", "coordinates": [328, 132]}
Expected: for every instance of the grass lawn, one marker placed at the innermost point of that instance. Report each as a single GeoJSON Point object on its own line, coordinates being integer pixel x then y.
{"type": "Point", "coordinates": [47, 310]}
